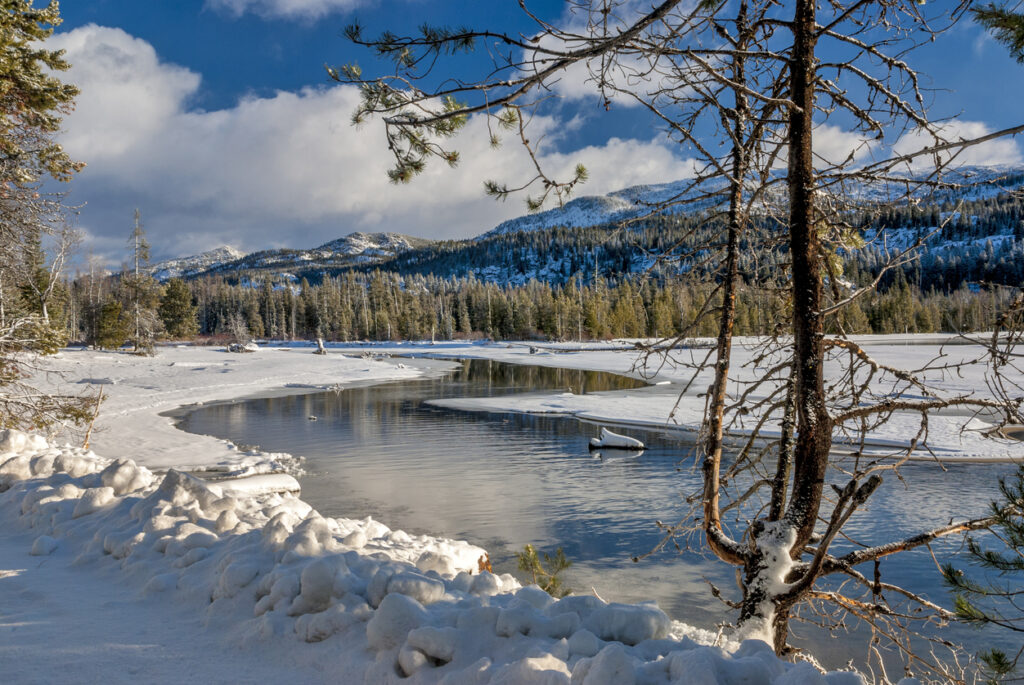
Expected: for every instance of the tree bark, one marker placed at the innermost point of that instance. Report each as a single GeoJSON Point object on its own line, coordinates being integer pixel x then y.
{"type": "Point", "coordinates": [717, 540]}
{"type": "Point", "coordinates": [814, 427]}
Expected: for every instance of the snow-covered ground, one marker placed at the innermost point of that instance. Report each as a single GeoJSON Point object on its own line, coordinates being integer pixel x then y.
{"type": "Point", "coordinates": [113, 571]}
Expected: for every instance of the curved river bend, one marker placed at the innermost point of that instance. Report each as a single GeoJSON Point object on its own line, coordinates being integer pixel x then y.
{"type": "Point", "coordinates": [504, 480]}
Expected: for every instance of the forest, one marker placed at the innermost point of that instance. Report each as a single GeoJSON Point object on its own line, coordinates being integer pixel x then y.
{"type": "Point", "coordinates": [383, 305]}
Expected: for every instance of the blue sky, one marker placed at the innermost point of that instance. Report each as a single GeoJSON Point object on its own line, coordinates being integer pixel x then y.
{"type": "Point", "coordinates": [216, 119]}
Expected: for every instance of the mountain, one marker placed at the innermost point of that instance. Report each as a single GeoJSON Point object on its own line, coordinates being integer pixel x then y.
{"type": "Point", "coordinates": [185, 267]}
{"type": "Point", "coordinates": [347, 251]}
{"type": "Point", "coordinates": [636, 201]}
{"type": "Point", "coordinates": [592, 210]}
{"type": "Point", "coordinates": [973, 232]}
{"type": "Point", "coordinates": [373, 246]}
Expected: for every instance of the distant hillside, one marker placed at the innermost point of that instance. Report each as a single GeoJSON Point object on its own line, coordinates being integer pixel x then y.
{"type": "Point", "coordinates": [972, 233]}
{"type": "Point", "coordinates": [350, 250]}
{"type": "Point", "coordinates": [593, 210]}
{"type": "Point", "coordinates": [185, 267]}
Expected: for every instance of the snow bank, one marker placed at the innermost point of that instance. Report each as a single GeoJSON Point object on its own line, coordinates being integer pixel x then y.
{"type": "Point", "coordinates": [952, 437]}
{"type": "Point", "coordinates": [393, 607]}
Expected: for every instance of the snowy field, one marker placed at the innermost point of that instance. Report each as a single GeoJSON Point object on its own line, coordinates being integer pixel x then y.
{"type": "Point", "coordinates": [119, 568]}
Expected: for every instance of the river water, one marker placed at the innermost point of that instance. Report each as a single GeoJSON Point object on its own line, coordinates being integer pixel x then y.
{"type": "Point", "coordinates": [504, 480]}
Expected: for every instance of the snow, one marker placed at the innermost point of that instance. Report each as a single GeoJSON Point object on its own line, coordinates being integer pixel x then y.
{"type": "Point", "coordinates": [260, 484]}
{"type": "Point", "coordinates": [629, 203]}
{"type": "Point", "coordinates": [187, 266]}
{"type": "Point", "coordinates": [354, 247]}
{"type": "Point", "coordinates": [592, 210]}
{"type": "Point", "coordinates": [370, 244]}
{"type": "Point", "coordinates": [774, 542]}
{"type": "Point", "coordinates": [147, 570]}
{"type": "Point", "coordinates": [662, 406]}
{"type": "Point", "coordinates": [616, 441]}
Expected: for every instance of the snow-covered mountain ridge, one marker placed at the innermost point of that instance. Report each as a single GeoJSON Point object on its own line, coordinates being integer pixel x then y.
{"type": "Point", "coordinates": [638, 201]}
{"type": "Point", "coordinates": [354, 248]}
{"type": "Point", "coordinates": [591, 210]}
{"type": "Point", "coordinates": [984, 236]}
{"type": "Point", "coordinates": [183, 267]}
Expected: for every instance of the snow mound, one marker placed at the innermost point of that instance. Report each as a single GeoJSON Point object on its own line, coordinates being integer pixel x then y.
{"type": "Point", "coordinates": [616, 441]}
{"type": "Point", "coordinates": [398, 607]}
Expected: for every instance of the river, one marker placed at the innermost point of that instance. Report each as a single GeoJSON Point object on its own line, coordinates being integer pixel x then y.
{"type": "Point", "coordinates": [504, 480]}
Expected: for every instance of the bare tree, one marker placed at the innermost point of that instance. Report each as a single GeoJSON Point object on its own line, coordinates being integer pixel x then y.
{"type": "Point", "coordinates": [141, 291]}
{"type": "Point", "coordinates": [745, 86]}
{"type": "Point", "coordinates": [46, 280]}
{"type": "Point", "coordinates": [28, 284]}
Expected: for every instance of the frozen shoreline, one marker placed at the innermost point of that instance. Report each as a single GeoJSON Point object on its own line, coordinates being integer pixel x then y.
{"type": "Point", "coordinates": [660, 407]}
{"type": "Point", "coordinates": [144, 394]}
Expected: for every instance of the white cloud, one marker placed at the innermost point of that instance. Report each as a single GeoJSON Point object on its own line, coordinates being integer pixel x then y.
{"type": "Point", "coordinates": [127, 94]}
{"type": "Point", "coordinates": [998, 152]}
{"type": "Point", "coordinates": [835, 146]}
{"type": "Point", "coordinates": [289, 9]}
{"type": "Point", "coordinates": [286, 170]}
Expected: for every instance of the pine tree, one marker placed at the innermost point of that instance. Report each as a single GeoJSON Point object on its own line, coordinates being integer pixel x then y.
{"type": "Point", "coordinates": [177, 311]}
{"type": "Point", "coordinates": [112, 328]}
{"type": "Point", "coordinates": [33, 101]}
{"type": "Point", "coordinates": [996, 601]}
{"type": "Point", "coordinates": [1005, 24]}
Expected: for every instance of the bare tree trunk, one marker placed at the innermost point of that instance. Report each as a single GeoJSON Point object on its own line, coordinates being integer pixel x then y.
{"type": "Point", "coordinates": [135, 255]}
{"type": "Point", "coordinates": [766, 606]}
{"type": "Point", "coordinates": [722, 547]}
{"type": "Point", "coordinates": [3, 306]}
{"type": "Point", "coordinates": [814, 427]}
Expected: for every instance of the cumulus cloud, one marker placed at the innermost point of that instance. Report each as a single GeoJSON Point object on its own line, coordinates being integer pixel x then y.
{"type": "Point", "coordinates": [114, 68]}
{"type": "Point", "coordinates": [997, 152]}
{"type": "Point", "coordinates": [836, 146]}
{"type": "Point", "coordinates": [286, 170]}
{"type": "Point", "coordinates": [290, 9]}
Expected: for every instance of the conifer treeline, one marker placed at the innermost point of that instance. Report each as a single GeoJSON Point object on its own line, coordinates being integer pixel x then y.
{"type": "Point", "coordinates": [383, 306]}
{"type": "Point", "coordinates": [585, 283]}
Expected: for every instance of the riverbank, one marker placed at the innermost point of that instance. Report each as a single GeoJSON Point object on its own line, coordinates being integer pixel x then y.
{"type": "Point", "coordinates": [286, 584]}
{"type": "Point", "coordinates": [675, 400]}
{"type": "Point", "coordinates": [140, 392]}
{"type": "Point", "coordinates": [246, 585]}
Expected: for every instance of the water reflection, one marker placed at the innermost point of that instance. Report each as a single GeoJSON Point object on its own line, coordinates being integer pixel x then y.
{"type": "Point", "coordinates": [502, 481]}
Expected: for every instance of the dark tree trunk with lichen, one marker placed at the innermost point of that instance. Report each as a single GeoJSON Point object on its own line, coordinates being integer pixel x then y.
{"type": "Point", "coordinates": [813, 423]}
{"type": "Point", "coordinates": [814, 426]}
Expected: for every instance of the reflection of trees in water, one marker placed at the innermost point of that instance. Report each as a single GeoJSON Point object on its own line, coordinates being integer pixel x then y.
{"type": "Point", "coordinates": [371, 412]}
{"type": "Point", "coordinates": [504, 375]}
